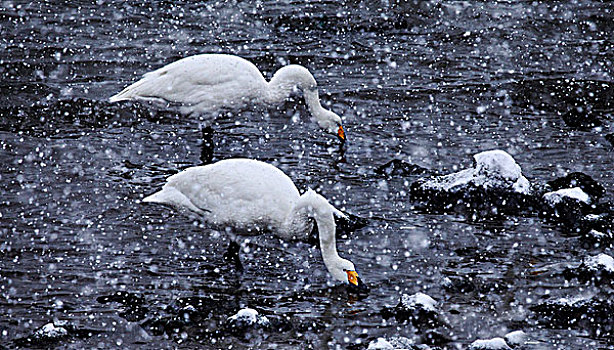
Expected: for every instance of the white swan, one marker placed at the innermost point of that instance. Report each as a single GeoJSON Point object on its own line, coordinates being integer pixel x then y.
{"type": "Point", "coordinates": [252, 196]}
{"type": "Point", "coordinates": [207, 83]}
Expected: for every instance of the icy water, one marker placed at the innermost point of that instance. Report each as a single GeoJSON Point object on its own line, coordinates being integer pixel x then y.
{"type": "Point", "coordinates": [430, 83]}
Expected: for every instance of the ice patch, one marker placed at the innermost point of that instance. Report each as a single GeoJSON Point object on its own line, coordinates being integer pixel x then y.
{"type": "Point", "coordinates": [489, 344]}
{"type": "Point", "coordinates": [554, 198]}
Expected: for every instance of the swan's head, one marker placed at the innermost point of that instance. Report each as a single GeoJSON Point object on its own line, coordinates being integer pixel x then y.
{"type": "Point", "coordinates": [331, 123]}
{"type": "Point", "coordinates": [345, 271]}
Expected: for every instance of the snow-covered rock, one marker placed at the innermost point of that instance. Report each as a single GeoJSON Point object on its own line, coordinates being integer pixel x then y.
{"type": "Point", "coordinates": [419, 301]}
{"type": "Point", "coordinates": [601, 262]}
{"type": "Point", "coordinates": [598, 269]}
{"type": "Point", "coordinates": [587, 184]}
{"type": "Point", "coordinates": [595, 314]}
{"type": "Point", "coordinates": [515, 338]}
{"type": "Point", "coordinates": [556, 197]}
{"type": "Point", "coordinates": [247, 318]}
{"type": "Point", "coordinates": [50, 331]}
{"type": "Point", "coordinates": [494, 185]}
{"type": "Point", "coordinates": [494, 169]}
{"type": "Point", "coordinates": [395, 343]}
{"type": "Point", "coordinates": [489, 344]}
{"type": "Point", "coordinates": [380, 344]}
{"type": "Point", "coordinates": [419, 308]}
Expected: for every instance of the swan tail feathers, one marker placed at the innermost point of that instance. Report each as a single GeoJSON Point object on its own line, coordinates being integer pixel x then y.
{"type": "Point", "coordinates": [130, 92]}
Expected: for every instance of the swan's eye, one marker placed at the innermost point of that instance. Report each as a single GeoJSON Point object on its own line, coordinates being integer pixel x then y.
{"type": "Point", "coordinates": [352, 277]}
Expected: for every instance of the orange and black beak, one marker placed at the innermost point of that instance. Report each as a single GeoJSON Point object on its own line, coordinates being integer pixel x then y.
{"type": "Point", "coordinates": [341, 133]}
{"type": "Point", "coordinates": [355, 283]}
{"type": "Point", "coordinates": [352, 277]}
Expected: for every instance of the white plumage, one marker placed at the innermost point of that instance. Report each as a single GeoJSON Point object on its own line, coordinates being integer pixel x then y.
{"type": "Point", "coordinates": [207, 83]}
{"type": "Point", "coordinates": [252, 196]}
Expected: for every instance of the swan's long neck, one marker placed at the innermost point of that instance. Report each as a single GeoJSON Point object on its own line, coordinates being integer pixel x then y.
{"type": "Point", "coordinates": [286, 79]}
{"type": "Point", "coordinates": [315, 206]}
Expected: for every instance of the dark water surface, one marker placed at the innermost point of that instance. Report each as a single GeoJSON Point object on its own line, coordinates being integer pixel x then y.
{"type": "Point", "coordinates": [431, 83]}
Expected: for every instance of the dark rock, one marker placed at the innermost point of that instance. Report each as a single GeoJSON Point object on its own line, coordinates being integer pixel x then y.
{"type": "Point", "coordinates": [348, 224]}
{"type": "Point", "coordinates": [610, 138]}
{"type": "Point", "coordinates": [397, 167]}
{"type": "Point", "coordinates": [581, 180]}
{"type": "Point", "coordinates": [595, 314]}
{"type": "Point", "coordinates": [54, 332]}
{"type": "Point", "coordinates": [420, 309]}
{"type": "Point", "coordinates": [582, 118]}
{"type": "Point", "coordinates": [566, 205]}
{"type": "Point", "coordinates": [594, 238]}
{"type": "Point", "coordinates": [458, 284]}
{"type": "Point", "coordinates": [598, 229]}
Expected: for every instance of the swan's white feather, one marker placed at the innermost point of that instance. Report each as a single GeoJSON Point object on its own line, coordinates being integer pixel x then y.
{"type": "Point", "coordinates": [233, 192]}
{"type": "Point", "coordinates": [252, 196]}
{"type": "Point", "coordinates": [200, 83]}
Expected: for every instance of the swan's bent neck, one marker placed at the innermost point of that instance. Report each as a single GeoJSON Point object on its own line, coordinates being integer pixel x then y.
{"type": "Point", "coordinates": [286, 79]}
{"type": "Point", "coordinates": [311, 204]}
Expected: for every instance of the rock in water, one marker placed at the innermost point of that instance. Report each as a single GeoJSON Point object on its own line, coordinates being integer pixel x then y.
{"type": "Point", "coordinates": [489, 344]}
{"type": "Point", "coordinates": [396, 343]}
{"type": "Point", "coordinates": [598, 269]}
{"type": "Point", "coordinates": [595, 314]}
{"type": "Point", "coordinates": [380, 344]}
{"type": "Point", "coordinates": [575, 194]}
{"type": "Point", "coordinates": [581, 180]}
{"type": "Point", "coordinates": [50, 332]}
{"type": "Point", "coordinates": [515, 338]}
{"type": "Point", "coordinates": [397, 167]}
{"type": "Point", "coordinates": [247, 319]}
{"type": "Point", "coordinates": [495, 184]}
{"type": "Point", "coordinates": [418, 308]}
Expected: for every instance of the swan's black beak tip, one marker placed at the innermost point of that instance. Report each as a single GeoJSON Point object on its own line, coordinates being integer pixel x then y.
{"type": "Point", "coordinates": [359, 288]}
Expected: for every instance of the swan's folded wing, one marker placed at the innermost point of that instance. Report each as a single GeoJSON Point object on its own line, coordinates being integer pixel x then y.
{"type": "Point", "coordinates": [192, 80]}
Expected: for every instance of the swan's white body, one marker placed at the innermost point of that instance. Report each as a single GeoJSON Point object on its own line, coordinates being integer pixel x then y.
{"type": "Point", "coordinates": [253, 196]}
{"type": "Point", "coordinates": [207, 83]}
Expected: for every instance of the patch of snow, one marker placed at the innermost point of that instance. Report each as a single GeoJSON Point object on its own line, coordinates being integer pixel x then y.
{"type": "Point", "coordinates": [515, 338]}
{"type": "Point", "coordinates": [555, 197]}
{"type": "Point", "coordinates": [493, 169]}
{"type": "Point", "coordinates": [600, 262]}
{"type": "Point", "coordinates": [249, 317]}
{"type": "Point", "coordinates": [50, 331]}
{"type": "Point", "coordinates": [395, 343]}
{"type": "Point", "coordinates": [419, 301]}
{"type": "Point", "coordinates": [592, 217]}
{"type": "Point", "coordinates": [498, 164]}
{"type": "Point", "coordinates": [489, 344]}
{"type": "Point", "coordinates": [522, 186]}
{"type": "Point", "coordinates": [380, 344]}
